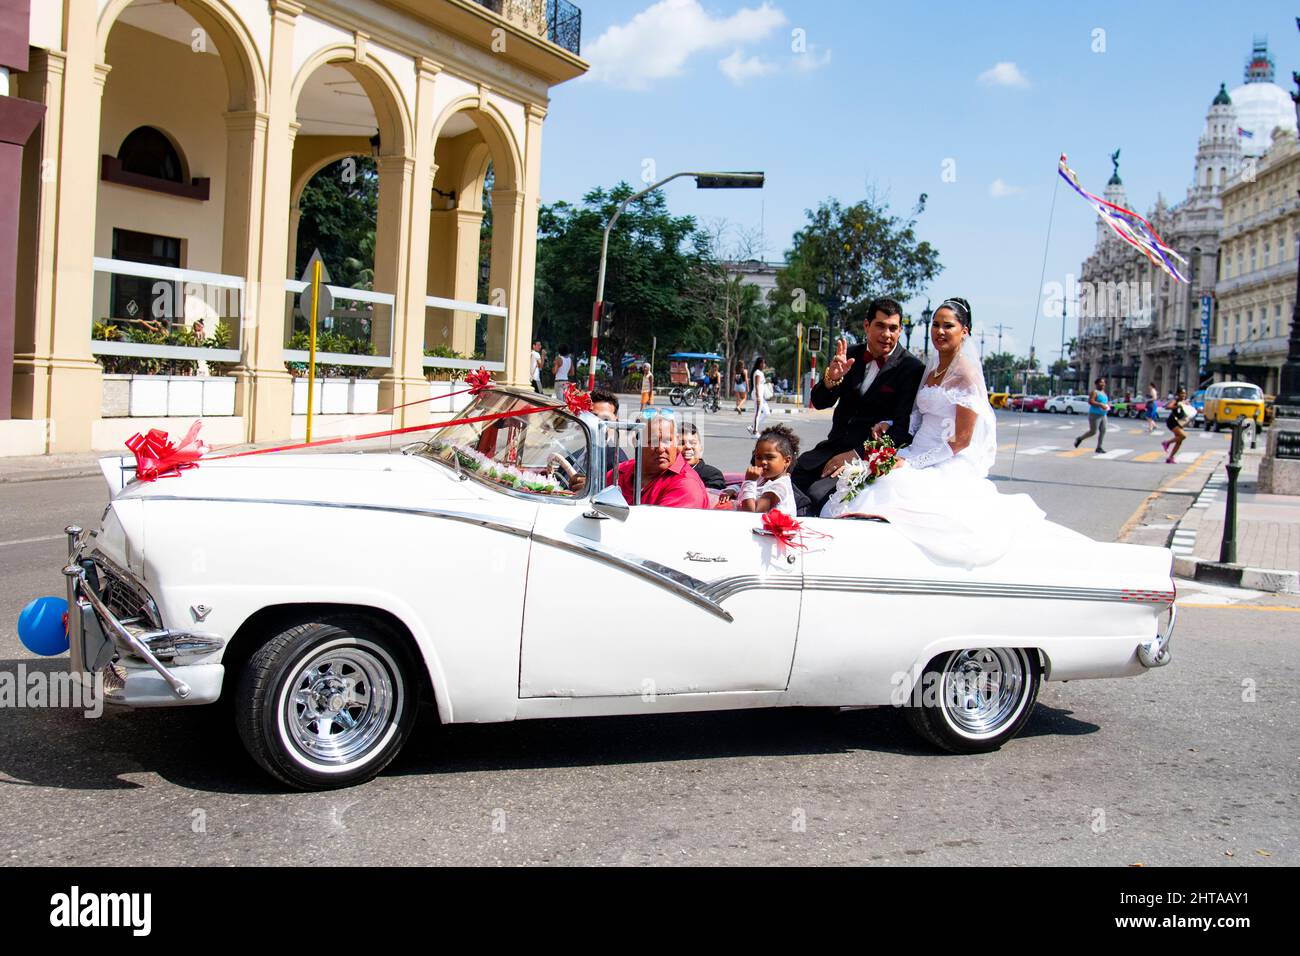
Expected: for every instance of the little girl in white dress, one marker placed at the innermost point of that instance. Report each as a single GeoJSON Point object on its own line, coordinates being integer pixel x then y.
{"type": "Point", "coordinates": [767, 484]}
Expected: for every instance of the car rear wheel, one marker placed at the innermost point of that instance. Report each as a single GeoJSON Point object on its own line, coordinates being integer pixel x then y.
{"type": "Point", "coordinates": [975, 700]}
{"type": "Point", "coordinates": [327, 703]}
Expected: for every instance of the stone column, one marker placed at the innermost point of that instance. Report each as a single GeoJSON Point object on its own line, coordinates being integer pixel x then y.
{"type": "Point", "coordinates": [245, 155]}
{"type": "Point", "coordinates": [392, 265]}
{"type": "Point", "coordinates": [406, 380]}
{"type": "Point", "coordinates": [503, 273]}
{"type": "Point", "coordinates": [265, 386]}
{"type": "Point", "coordinates": [520, 340]}
{"type": "Point", "coordinates": [55, 374]}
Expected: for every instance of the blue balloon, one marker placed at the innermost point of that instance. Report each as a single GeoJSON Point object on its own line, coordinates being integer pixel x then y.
{"type": "Point", "coordinates": [41, 627]}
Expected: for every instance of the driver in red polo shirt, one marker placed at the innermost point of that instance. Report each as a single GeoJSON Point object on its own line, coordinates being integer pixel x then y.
{"type": "Point", "coordinates": [667, 479]}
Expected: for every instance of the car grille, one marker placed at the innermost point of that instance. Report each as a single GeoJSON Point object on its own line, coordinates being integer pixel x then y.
{"type": "Point", "coordinates": [127, 603]}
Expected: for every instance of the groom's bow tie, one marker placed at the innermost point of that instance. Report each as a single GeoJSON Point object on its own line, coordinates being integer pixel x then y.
{"type": "Point", "coordinates": [879, 360]}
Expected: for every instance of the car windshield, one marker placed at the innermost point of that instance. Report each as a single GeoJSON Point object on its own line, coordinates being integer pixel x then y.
{"type": "Point", "coordinates": [1243, 391]}
{"type": "Point", "coordinates": [537, 451]}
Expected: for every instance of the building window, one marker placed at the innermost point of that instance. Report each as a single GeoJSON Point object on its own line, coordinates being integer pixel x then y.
{"type": "Point", "coordinates": [148, 160]}
{"type": "Point", "coordinates": [131, 297]}
{"type": "Point", "coordinates": [148, 152]}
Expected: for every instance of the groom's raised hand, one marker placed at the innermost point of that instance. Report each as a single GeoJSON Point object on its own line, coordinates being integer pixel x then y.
{"type": "Point", "coordinates": [840, 362]}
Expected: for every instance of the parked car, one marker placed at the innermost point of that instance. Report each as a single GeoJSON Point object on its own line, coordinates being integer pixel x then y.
{"type": "Point", "coordinates": [1035, 403]}
{"type": "Point", "coordinates": [337, 592]}
{"type": "Point", "coordinates": [1068, 404]}
{"type": "Point", "coordinates": [1270, 409]}
{"type": "Point", "coordinates": [1225, 402]}
{"type": "Point", "coordinates": [1139, 410]}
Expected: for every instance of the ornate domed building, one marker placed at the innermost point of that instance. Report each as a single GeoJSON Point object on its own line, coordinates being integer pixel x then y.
{"type": "Point", "coordinates": [1260, 103]}
{"type": "Point", "coordinates": [1136, 325]}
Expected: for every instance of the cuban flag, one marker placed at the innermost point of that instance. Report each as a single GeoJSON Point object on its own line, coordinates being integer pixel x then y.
{"type": "Point", "coordinates": [1245, 133]}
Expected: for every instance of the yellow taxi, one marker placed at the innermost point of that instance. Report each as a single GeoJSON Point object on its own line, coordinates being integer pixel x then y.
{"type": "Point", "coordinates": [999, 399]}
{"type": "Point", "coordinates": [1225, 402]}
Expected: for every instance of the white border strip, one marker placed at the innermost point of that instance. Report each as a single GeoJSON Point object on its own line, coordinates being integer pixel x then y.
{"type": "Point", "coordinates": [145, 270]}
{"type": "Point", "coordinates": [102, 347]}
{"type": "Point", "coordinates": [347, 295]}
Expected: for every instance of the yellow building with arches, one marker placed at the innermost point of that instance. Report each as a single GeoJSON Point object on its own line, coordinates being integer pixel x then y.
{"type": "Point", "coordinates": [161, 194]}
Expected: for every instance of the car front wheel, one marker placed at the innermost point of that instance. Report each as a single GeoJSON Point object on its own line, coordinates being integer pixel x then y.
{"type": "Point", "coordinates": [326, 703]}
{"type": "Point", "coordinates": [975, 700]}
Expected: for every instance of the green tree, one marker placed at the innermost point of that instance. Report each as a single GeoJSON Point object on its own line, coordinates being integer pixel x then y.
{"type": "Point", "coordinates": [339, 206]}
{"type": "Point", "coordinates": [876, 252]}
{"type": "Point", "coordinates": [654, 265]}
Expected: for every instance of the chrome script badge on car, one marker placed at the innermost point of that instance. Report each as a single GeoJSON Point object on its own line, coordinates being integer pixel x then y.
{"type": "Point", "coordinates": [696, 556]}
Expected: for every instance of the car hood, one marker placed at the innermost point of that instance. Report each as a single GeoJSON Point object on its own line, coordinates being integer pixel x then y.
{"type": "Point", "coordinates": [390, 479]}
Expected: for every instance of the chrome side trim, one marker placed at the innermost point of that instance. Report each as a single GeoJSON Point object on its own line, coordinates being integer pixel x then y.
{"type": "Point", "coordinates": [670, 579]}
{"type": "Point", "coordinates": [724, 588]}
{"type": "Point", "coordinates": [466, 517]}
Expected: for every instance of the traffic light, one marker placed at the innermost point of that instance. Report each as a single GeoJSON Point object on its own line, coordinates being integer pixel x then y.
{"type": "Point", "coordinates": [815, 339]}
{"type": "Point", "coordinates": [606, 318]}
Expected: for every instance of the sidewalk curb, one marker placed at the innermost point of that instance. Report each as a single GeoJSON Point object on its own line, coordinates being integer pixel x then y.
{"type": "Point", "coordinates": [1182, 541]}
{"type": "Point", "coordinates": [52, 475]}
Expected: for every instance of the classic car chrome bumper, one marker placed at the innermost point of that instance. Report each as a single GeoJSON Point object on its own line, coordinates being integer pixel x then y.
{"type": "Point", "coordinates": [1156, 653]}
{"type": "Point", "coordinates": [99, 642]}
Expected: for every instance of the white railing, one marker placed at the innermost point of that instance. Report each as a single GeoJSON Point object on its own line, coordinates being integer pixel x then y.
{"type": "Point", "coordinates": [473, 308]}
{"type": "Point", "coordinates": [341, 293]}
{"type": "Point", "coordinates": [189, 294]}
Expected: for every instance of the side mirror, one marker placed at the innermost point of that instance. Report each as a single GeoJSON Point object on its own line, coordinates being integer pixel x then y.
{"type": "Point", "coordinates": [611, 503]}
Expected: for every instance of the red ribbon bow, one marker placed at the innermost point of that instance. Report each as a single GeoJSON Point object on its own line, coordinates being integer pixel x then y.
{"type": "Point", "coordinates": [156, 457]}
{"type": "Point", "coordinates": [577, 400]}
{"type": "Point", "coordinates": [784, 528]}
{"type": "Point", "coordinates": [479, 381]}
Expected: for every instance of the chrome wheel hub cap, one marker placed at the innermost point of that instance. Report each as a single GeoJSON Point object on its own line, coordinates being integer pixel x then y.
{"type": "Point", "coordinates": [339, 704]}
{"type": "Point", "coordinates": [982, 690]}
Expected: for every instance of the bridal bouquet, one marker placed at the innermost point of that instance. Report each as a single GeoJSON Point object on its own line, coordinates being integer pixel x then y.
{"type": "Point", "coordinates": [878, 459]}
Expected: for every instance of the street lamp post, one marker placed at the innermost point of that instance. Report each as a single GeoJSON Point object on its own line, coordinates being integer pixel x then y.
{"type": "Point", "coordinates": [727, 180]}
{"type": "Point", "coordinates": [908, 325]}
{"type": "Point", "coordinates": [926, 316]}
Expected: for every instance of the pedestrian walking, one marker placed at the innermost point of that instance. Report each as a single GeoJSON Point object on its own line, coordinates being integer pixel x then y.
{"type": "Point", "coordinates": [535, 367]}
{"type": "Point", "coordinates": [1098, 409]}
{"type": "Point", "coordinates": [1181, 414]}
{"type": "Point", "coordinates": [1153, 408]}
{"type": "Point", "coordinates": [762, 392]}
{"type": "Point", "coordinates": [563, 368]}
{"type": "Point", "coordinates": [741, 388]}
{"type": "Point", "coordinates": [647, 385]}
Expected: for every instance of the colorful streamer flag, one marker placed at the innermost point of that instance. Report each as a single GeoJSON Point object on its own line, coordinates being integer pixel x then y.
{"type": "Point", "coordinates": [1129, 226]}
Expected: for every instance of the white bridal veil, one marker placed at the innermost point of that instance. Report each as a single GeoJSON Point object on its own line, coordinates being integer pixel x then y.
{"type": "Point", "coordinates": [963, 384]}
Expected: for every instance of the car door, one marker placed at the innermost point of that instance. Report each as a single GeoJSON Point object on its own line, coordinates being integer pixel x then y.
{"type": "Point", "coordinates": [667, 601]}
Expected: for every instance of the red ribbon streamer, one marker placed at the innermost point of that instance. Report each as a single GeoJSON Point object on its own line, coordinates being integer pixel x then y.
{"type": "Point", "coordinates": [156, 457]}
{"type": "Point", "coordinates": [784, 528]}
{"type": "Point", "coordinates": [478, 381]}
{"type": "Point", "coordinates": [577, 400]}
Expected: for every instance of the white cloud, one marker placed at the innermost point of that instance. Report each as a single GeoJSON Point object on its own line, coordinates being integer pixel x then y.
{"type": "Point", "coordinates": [812, 60]}
{"type": "Point", "coordinates": [1004, 74]}
{"type": "Point", "coordinates": [740, 69]}
{"type": "Point", "coordinates": [999, 189]}
{"type": "Point", "coordinates": [657, 42]}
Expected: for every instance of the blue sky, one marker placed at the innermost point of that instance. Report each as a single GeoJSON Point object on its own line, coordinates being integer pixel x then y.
{"type": "Point", "coordinates": [884, 93]}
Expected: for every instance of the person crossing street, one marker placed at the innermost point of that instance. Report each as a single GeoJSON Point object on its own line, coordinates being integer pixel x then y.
{"type": "Point", "coordinates": [1098, 408]}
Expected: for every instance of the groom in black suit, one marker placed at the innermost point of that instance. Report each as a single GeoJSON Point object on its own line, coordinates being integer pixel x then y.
{"type": "Point", "coordinates": [868, 384]}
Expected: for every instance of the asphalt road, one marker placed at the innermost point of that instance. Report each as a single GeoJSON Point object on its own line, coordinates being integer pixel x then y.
{"type": "Point", "coordinates": [1195, 763]}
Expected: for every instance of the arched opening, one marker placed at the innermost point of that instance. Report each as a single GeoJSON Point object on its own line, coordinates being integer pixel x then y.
{"type": "Point", "coordinates": [348, 187]}
{"type": "Point", "coordinates": [475, 216]}
{"type": "Point", "coordinates": [171, 222]}
{"type": "Point", "coordinates": [146, 151]}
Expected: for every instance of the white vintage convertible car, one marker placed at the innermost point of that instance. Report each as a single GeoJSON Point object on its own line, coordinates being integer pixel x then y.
{"type": "Point", "coordinates": [326, 596]}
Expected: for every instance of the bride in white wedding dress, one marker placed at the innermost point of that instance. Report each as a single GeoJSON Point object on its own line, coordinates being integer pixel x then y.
{"type": "Point", "coordinates": [940, 496]}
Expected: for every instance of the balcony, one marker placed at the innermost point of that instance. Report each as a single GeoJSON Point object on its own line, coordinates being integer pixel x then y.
{"type": "Point", "coordinates": [557, 20]}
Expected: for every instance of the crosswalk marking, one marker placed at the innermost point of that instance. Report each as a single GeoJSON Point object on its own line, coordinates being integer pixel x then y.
{"type": "Point", "coordinates": [1111, 455]}
{"type": "Point", "coordinates": [1041, 450]}
{"type": "Point", "coordinates": [1151, 456]}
